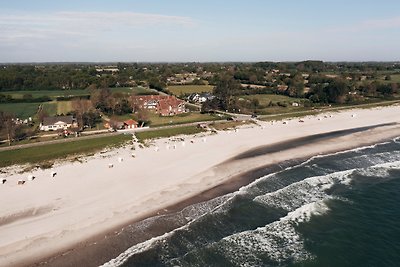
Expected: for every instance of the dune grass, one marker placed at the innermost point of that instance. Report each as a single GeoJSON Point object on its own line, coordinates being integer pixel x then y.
{"type": "Point", "coordinates": [167, 132]}
{"type": "Point", "coordinates": [51, 152]}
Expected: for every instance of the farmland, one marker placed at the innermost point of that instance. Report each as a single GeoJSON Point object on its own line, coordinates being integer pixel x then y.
{"type": "Point", "coordinates": [189, 89]}
{"type": "Point", "coordinates": [20, 110]}
{"type": "Point", "coordinates": [69, 93]}
{"type": "Point", "coordinates": [52, 94]}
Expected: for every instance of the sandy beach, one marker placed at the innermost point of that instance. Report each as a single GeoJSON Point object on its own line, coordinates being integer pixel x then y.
{"type": "Point", "coordinates": [74, 202]}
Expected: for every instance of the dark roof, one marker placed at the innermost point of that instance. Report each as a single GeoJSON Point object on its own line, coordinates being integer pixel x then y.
{"type": "Point", "coordinates": [53, 120]}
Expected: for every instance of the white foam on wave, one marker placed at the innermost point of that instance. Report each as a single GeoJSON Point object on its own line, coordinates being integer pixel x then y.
{"type": "Point", "coordinates": [304, 192]}
{"type": "Point", "coordinates": [305, 212]}
{"type": "Point", "coordinates": [379, 170]}
{"type": "Point", "coordinates": [279, 241]}
{"type": "Point", "coordinates": [205, 208]}
{"type": "Point", "coordinates": [123, 257]}
{"type": "Point", "coordinates": [245, 189]}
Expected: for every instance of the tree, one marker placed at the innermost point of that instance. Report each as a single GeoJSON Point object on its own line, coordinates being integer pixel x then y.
{"type": "Point", "coordinates": [42, 114]}
{"type": "Point", "coordinates": [101, 99]}
{"type": "Point", "coordinates": [143, 117]}
{"type": "Point", "coordinates": [7, 122]}
{"type": "Point", "coordinates": [225, 89]}
{"type": "Point", "coordinates": [80, 107]}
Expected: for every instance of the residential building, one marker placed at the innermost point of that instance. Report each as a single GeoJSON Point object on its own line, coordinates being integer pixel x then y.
{"type": "Point", "coordinates": [160, 104]}
{"type": "Point", "coordinates": [57, 123]}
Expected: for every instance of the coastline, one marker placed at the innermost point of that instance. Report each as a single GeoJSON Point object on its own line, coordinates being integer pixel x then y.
{"type": "Point", "coordinates": [211, 176]}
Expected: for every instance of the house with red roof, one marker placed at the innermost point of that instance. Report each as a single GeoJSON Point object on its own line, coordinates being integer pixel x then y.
{"type": "Point", "coordinates": [164, 105]}
{"type": "Point", "coordinates": [130, 124]}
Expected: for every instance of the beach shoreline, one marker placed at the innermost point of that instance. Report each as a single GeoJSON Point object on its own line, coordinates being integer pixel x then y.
{"type": "Point", "coordinates": [201, 177]}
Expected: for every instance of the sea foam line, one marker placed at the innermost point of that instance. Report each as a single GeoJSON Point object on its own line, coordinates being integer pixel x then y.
{"type": "Point", "coordinates": [278, 240]}
{"type": "Point", "coordinates": [148, 244]}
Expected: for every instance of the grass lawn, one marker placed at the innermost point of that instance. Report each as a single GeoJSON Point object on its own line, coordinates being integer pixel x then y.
{"type": "Point", "coordinates": [189, 89]}
{"type": "Point", "coordinates": [395, 78]}
{"type": "Point", "coordinates": [63, 107]}
{"type": "Point", "coordinates": [51, 108]}
{"type": "Point", "coordinates": [266, 99]}
{"type": "Point", "coordinates": [21, 110]}
{"type": "Point", "coordinates": [157, 120]}
{"type": "Point", "coordinates": [124, 117]}
{"type": "Point", "coordinates": [168, 132]}
{"type": "Point", "coordinates": [51, 152]}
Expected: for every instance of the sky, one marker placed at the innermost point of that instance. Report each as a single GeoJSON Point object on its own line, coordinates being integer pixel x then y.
{"type": "Point", "coordinates": [198, 31]}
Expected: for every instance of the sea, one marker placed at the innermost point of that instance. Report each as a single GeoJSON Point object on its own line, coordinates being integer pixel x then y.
{"type": "Point", "coordinates": [341, 209]}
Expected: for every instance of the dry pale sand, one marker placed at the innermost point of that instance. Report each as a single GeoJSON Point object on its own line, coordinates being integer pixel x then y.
{"type": "Point", "coordinates": [51, 214]}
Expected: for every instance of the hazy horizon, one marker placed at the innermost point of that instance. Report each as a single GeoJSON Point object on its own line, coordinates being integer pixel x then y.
{"type": "Point", "coordinates": [176, 31]}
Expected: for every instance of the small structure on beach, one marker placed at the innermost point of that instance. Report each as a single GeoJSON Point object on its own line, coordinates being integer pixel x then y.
{"type": "Point", "coordinates": [3, 181]}
{"type": "Point", "coordinates": [53, 174]}
{"type": "Point", "coordinates": [21, 182]}
{"type": "Point", "coordinates": [130, 124]}
{"type": "Point", "coordinates": [31, 177]}
{"type": "Point", "coordinates": [110, 165]}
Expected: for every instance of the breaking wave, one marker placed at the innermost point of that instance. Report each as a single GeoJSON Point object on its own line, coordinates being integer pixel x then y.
{"type": "Point", "coordinates": [257, 225]}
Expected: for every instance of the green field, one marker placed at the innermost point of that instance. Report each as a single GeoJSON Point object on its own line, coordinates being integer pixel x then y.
{"type": "Point", "coordinates": [57, 107]}
{"type": "Point", "coordinates": [21, 110]}
{"type": "Point", "coordinates": [58, 93]}
{"type": "Point", "coordinates": [267, 108]}
{"type": "Point", "coordinates": [157, 120]}
{"type": "Point", "coordinates": [132, 90]}
{"type": "Point", "coordinates": [168, 132]}
{"type": "Point", "coordinates": [267, 98]}
{"type": "Point", "coordinates": [395, 78]}
{"type": "Point", "coordinates": [52, 93]}
{"type": "Point", "coordinates": [52, 152]}
{"type": "Point", "coordinates": [189, 89]}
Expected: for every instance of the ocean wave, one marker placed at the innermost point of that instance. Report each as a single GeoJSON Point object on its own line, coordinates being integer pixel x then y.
{"type": "Point", "coordinates": [379, 170]}
{"type": "Point", "coordinates": [278, 241]}
{"type": "Point", "coordinates": [312, 163]}
{"type": "Point", "coordinates": [192, 213]}
{"type": "Point", "coordinates": [298, 198]}
{"type": "Point", "coordinates": [304, 192]}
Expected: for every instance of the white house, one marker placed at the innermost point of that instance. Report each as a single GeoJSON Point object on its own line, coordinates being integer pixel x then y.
{"type": "Point", "coordinates": [57, 123]}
